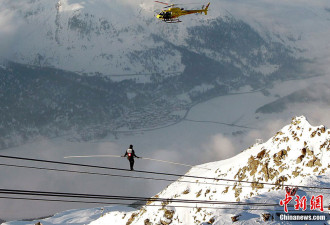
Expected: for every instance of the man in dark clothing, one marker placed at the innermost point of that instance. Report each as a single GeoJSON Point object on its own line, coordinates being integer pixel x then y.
{"type": "Point", "coordinates": [130, 153]}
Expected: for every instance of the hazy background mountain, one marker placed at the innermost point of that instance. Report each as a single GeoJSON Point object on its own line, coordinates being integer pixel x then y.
{"type": "Point", "coordinates": [134, 72]}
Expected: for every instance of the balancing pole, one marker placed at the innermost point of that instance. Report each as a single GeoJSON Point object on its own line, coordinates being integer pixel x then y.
{"type": "Point", "coordinates": [118, 156]}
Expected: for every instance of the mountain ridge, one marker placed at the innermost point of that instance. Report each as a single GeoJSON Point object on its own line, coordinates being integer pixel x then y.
{"type": "Point", "coordinates": [296, 156]}
{"type": "Point", "coordinates": [82, 37]}
{"type": "Point", "coordinates": [155, 65]}
{"type": "Point", "coordinates": [278, 161]}
{"type": "Point", "coordinates": [152, 80]}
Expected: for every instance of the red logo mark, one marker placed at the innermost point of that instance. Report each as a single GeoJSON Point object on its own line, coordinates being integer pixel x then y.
{"type": "Point", "coordinates": [300, 203]}
{"type": "Point", "coordinates": [285, 202]}
{"type": "Point", "coordinates": [317, 203]}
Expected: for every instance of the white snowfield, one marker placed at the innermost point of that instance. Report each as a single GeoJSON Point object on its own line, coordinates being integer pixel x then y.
{"type": "Point", "coordinates": [297, 155]}
{"type": "Point", "coordinates": [110, 37]}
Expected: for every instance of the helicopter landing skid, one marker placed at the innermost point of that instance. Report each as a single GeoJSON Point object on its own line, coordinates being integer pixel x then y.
{"type": "Point", "coordinates": [173, 21]}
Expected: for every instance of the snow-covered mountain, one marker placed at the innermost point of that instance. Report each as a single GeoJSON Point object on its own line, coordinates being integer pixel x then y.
{"type": "Point", "coordinates": [297, 155]}
{"type": "Point", "coordinates": [123, 37]}
{"type": "Point", "coordinates": [143, 73]}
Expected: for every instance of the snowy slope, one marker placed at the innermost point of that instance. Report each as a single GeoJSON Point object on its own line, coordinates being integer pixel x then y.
{"type": "Point", "coordinates": [298, 154]}
{"type": "Point", "coordinates": [279, 159]}
{"type": "Point", "coordinates": [83, 36]}
{"type": "Point", "coordinates": [118, 37]}
{"type": "Point", "coordinates": [74, 217]}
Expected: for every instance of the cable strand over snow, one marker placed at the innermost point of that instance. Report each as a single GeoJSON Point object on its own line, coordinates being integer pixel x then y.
{"type": "Point", "coordinates": [158, 173]}
{"type": "Point", "coordinates": [132, 198]}
{"type": "Point", "coordinates": [134, 204]}
{"type": "Point", "coordinates": [125, 176]}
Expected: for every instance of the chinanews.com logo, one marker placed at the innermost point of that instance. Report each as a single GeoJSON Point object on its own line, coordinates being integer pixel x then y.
{"type": "Point", "coordinates": [302, 217]}
{"type": "Point", "coordinates": [315, 204]}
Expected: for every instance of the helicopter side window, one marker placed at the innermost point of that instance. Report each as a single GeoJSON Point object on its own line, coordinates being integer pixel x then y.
{"type": "Point", "coordinates": [166, 15]}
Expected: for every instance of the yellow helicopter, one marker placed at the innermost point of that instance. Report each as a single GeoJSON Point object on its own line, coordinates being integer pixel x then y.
{"type": "Point", "coordinates": [172, 14]}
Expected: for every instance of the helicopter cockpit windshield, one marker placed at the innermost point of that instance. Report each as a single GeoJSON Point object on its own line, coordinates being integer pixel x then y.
{"type": "Point", "coordinates": [167, 15]}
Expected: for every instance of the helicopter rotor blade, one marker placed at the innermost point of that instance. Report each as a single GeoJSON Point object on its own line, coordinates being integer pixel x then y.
{"type": "Point", "coordinates": [162, 3]}
{"type": "Point", "coordinates": [168, 4]}
{"type": "Point", "coordinates": [171, 4]}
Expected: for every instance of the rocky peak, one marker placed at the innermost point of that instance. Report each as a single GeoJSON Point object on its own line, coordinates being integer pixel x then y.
{"type": "Point", "coordinates": [296, 151]}
{"type": "Point", "coordinates": [293, 156]}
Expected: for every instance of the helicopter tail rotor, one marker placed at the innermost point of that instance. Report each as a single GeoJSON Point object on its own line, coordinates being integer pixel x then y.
{"type": "Point", "coordinates": [206, 8]}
